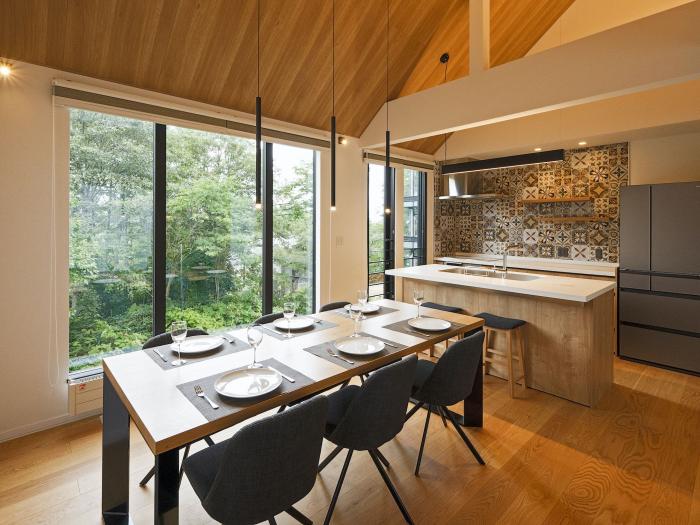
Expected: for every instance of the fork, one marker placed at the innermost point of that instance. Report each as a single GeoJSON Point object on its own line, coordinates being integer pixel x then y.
{"type": "Point", "coordinates": [160, 354]}
{"type": "Point", "coordinates": [200, 393]}
{"type": "Point", "coordinates": [333, 354]}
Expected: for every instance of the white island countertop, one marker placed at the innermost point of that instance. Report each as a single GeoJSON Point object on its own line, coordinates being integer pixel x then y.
{"type": "Point", "coordinates": [555, 287]}
{"type": "Point", "coordinates": [604, 269]}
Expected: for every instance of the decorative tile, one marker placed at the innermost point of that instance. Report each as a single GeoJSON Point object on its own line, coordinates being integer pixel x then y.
{"type": "Point", "coordinates": [563, 252]}
{"type": "Point", "coordinates": [530, 236]}
{"type": "Point", "coordinates": [546, 251]}
{"type": "Point", "coordinates": [579, 252]}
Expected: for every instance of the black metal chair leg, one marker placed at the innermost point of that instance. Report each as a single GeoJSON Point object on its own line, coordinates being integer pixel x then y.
{"type": "Point", "coordinates": [390, 486]}
{"type": "Point", "coordinates": [147, 477]}
{"type": "Point", "coordinates": [414, 410]}
{"type": "Point", "coordinates": [209, 441]}
{"type": "Point", "coordinates": [422, 441]}
{"type": "Point", "coordinates": [362, 379]}
{"type": "Point", "coordinates": [442, 415]}
{"type": "Point", "coordinates": [463, 436]}
{"type": "Point", "coordinates": [294, 513]}
{"type": "Point", "coordinates": [383, 459]}
{"type": "Point", "coordinates": [282, 409]}
{"type": "Point", "coordinates": [334, 500]}
{"type": "Point", "coordinates": [272, 521]}
{"type": "Point", "coordinates": [329, 458]}
{"type": "Point", "coordinates": [182, 464]}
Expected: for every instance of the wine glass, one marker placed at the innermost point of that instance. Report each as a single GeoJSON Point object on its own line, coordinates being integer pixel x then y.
{"type": "Point", "coordinates": [288, 312]}
{"type": "Point", "coordinates": [418, 299]}
{"type": "Point", "coordinates": [362, 301]}
{"type": "Point", "coordinates": [356, 316]}
{"type": "Point", "coordinates": [178, 331]}
{"type": "Point", "coordinates": [255, 336]}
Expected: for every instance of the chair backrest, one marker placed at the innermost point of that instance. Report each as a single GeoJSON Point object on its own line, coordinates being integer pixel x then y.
{"type": "Point", "coordinates": [268, 318]}
{"type": "Point", "coordinates": [443, 307]}
{"type": "Point", "coordinates": [333, 306]}
{"type": "Point", "coordinates": [455, 372]}
{"type": "Point", "coordinates": [269, 465]}
{"type": "Point", "coordinates": [166, 338]}
{"type": "Point", "coordinates": [378, 411]}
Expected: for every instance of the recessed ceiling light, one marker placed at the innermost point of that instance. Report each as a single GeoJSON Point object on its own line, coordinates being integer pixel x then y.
{"type": "Point", "coordinates": [332, 208]}
{"type": "Point", "coordinates": [5, 70]}
{"type": "Point", "coordinates": [538, 149]}
{"type": "Point", "coordinates": [582, 143]}
{"type": "Point", "coordinates": [342, 140]}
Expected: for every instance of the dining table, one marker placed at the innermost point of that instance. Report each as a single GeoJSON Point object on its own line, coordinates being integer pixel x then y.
{"type": "Point", "coordinates": [138, 389]}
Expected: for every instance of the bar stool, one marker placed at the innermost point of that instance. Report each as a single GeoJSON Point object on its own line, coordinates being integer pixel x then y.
{"type": "Point", "coordinates": [444, 308]}
{"type": "Point", "coordinates": [511, 328]}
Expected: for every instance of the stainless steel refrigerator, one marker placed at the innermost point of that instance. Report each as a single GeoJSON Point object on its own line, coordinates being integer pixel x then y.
{"type": "Point", "coordinates": [659, 297]}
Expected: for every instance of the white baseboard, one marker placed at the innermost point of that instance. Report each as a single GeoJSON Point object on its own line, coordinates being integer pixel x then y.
{"type": "Point", "coordinates": [44, 425]}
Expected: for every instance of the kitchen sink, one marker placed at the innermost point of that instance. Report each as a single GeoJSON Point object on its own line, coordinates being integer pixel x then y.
{"type": "Point", "coordinates": [519, 277]}
{"type": "Point", "coordinates": [495, 274]}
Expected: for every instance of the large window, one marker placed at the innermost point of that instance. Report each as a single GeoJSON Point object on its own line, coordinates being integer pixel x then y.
{"type": "Point", "coordinates": [380, 231]}
{"type": "Point", "coordinates": [414, 217]}
{"type": "Point", "coordinates": [208, 259]}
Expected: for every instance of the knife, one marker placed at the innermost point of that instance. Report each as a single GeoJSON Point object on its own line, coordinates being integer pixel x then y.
{"type": "Point", "coordinates": [290, 379]}
{"type": "Point", "coordinates": [160, 355]}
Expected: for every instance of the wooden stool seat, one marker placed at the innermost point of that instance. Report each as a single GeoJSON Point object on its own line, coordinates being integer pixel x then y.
{"type": "Point", "coordinates": [511, 328]}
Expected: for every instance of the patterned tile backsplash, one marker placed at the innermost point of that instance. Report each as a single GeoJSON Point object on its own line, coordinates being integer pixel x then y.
{"type": "Point", "coordinates": [488, 226]}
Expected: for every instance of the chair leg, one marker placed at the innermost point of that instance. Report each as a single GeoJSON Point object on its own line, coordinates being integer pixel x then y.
{"type": "Point", "coordinates": [334, 500]}
{"type": "Point", "coordinates": [329, 458]}
{"type": "Point", "coordinates": [282, 408]}
{"type": "Point", "coordinates": [422, 441]}
{"type": "Point", "coordinates": [391, 487]}
{"type": "Point", "coordinates": [182, 464]}
{"type": "Point", "coordinates": [381, 457]}
{"type": "Point", "coordinates": [521, 355]}
{"type": "Point", "coordinates": [209, 441]}
{"type": "Point", "coordinates": [272, 521]}
{"type": "Point", "coordinates": [414, 410]}
{"type": "Point", "coordinates": [444, 421]}
{"type": "Point", "coordinates": [147, 477]}
{"type": "Point", "coordinates": [294, 513]}
{"type": "Point", "coordinates": [463, 435]}
{"type": "Point", "coordinates": [487, 364]}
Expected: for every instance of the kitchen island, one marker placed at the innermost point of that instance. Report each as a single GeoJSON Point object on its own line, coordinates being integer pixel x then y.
{"type": "Point", "coordinates": [569, 333]}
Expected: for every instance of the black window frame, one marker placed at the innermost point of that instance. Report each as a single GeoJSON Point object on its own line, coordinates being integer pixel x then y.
{"type": "Point", "coordinates": [389, 233]}
{"type": "Point", "coordinates": [422, 238]}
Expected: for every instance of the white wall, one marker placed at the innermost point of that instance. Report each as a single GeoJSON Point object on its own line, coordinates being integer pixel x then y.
{"type": "Point", "coordinates": [34, 355]}
{"type": "Point", "coordinates": [674, 158]}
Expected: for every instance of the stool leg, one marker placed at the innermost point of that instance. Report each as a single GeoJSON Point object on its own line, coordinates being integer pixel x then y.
{"type": "Point", "coordinates": [521, 355]}
{"type": "Point", "coordinates": [509, 357]}
{"type": "Point", "coordinates": [487, 365]}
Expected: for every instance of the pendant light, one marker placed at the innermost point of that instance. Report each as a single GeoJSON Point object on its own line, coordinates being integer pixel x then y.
{"type": "Point", "coordinates": [387, 153]}
{"type": "Point", "coordinates": [444, 58]}
{"type": "Point", "coordinates": [258, 129]}
{"type": "Point", "coordinates": [333, 130]}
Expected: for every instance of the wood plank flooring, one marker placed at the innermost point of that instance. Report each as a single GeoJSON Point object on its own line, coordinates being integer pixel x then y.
{"type": "Point", "coordinates": [634, 459]}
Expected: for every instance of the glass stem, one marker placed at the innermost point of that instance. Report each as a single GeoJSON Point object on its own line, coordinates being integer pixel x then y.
{"type": "Point", "coordinates": [179, 358]}
{"type": "Point", "coordinates": [255, 354]}
{"type": "Point", "coordinates": [418, 310]}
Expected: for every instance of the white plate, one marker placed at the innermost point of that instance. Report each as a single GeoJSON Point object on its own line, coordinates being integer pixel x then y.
{"type": "Point", "coordinates": [295, 323]}
{"type": "Point", "coordinates": [360, 345]}
{"type": "Point", "coordinates": [430, 324]}
{"type": "Point", "coordinates": [199, 344]}
{"type": "Point", "coordinates": [248, 382]}
{"type": "Point", "coordinates": [366, 309]}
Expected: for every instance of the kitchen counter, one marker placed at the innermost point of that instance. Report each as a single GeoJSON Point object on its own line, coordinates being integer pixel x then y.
{"type": "Point", "coordinates": [535, 263]}
{"type": "Point", "coordinates": [540, 285]}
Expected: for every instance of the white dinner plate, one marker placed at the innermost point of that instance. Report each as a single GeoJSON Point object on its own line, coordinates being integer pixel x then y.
{"type": "Point", "coordinates": [366, 309]}
{"type": "Point", "coordinates": [295, 323]}
{"type": "Point", "coordinates": [199, 344]}
{"type": "Point", "coordinates": [430, 324]}
{"type": "Point", "coordinates": [248, 382]}
{"type": "Point", "coordinates": [360, 345]}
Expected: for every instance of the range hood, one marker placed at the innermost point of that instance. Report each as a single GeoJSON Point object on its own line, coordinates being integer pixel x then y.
{"type": "Point", "coordinates": [464, 180]}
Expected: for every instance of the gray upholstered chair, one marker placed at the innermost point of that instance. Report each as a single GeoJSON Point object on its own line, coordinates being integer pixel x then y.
{"type": "Point", "coordinates": [162, 340]}
{"type": "Point", "coordinates": [365, 417]}
{"type": "Point", "coordinates": [268, 318]}
{"type": "Point", "coordinates": [264, 469]}
{"type": "Point", "coordinates": [333, 306]}
{"type": "Point", "coordinates": [447, 382]}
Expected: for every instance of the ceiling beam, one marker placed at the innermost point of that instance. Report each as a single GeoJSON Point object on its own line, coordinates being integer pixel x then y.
{"type": "Point", "coordinates": [479, 36]}
{"type": "Point", "coordinates": [659, 50]}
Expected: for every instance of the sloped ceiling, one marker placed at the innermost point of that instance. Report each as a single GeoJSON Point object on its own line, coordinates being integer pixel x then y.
{"type": "Point", "coordinates": [206, 50]}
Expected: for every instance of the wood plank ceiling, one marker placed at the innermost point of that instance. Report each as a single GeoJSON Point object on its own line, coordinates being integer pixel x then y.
{"type": "Point", "coordinates": [205, 50]}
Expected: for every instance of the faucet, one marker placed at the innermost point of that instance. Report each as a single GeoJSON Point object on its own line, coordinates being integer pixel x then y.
{"type": "Point", "coordinates": [505, 255]}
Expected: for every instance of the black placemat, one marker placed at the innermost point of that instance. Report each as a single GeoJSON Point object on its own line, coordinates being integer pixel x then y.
{"type": "Point", "coordinates": [405, 328]}
{"type": "Point", "coordinates": [278, 333]}
{"type": "Point", "coordinates": [369, 315]}
{"type": "Point", "coordinates": [170, 355]}
{"type": "Point", "coordinates": [321, 350]}
{"type": "Point", "coordinates": [228, 405]}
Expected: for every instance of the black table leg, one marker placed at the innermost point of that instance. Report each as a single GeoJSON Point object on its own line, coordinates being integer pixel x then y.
{"type": "Point", "coordinates": [474, 403]}
{"type": "Point", "coordinates": [167, 487]}
{"type": "Point", "coordinates": [115, 457]}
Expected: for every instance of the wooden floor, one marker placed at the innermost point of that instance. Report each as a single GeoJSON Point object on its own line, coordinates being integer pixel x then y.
{"type": "Point", "coordinates": [635, 459]}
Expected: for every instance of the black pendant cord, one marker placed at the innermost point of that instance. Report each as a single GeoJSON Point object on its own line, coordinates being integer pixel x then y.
{"type": "Point", "coordinates": [258, 126]}
{"type": "Point", "coordinates": [444, 58]}
{"type": "Point", "coordinates": [387, 166]}
{"type": "Point", "coordinates": [333, 126]}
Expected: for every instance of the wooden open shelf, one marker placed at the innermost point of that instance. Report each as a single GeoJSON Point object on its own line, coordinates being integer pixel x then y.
{"type": "Point", "coordinates": [582, 198]}
{"type": "Point", "coordinates": [584, 218]}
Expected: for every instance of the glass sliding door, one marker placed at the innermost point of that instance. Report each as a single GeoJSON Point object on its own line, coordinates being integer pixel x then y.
{"type": "Point", "coordinates": [213, 233]}
{"type": "Point", "coordinates": [380, 232]}
{"type": "Point", "coordinates": [293, 232]}
{"type": "Point", "coordinates": [414, 217]}
{"type": "Point", "coordinates": [111, 237]}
